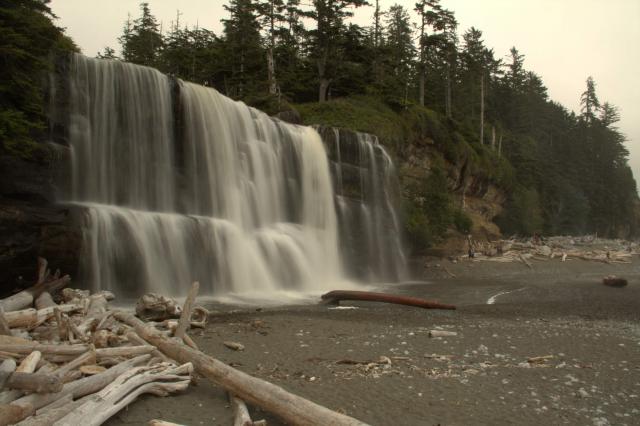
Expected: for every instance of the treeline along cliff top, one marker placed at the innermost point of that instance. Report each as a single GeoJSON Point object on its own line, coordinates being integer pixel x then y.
{"type": "Point", "coordinates": [459, 118]}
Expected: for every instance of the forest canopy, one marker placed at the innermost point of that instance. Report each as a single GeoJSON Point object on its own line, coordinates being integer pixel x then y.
{"type": "Point", "coordinates": [564, 172]}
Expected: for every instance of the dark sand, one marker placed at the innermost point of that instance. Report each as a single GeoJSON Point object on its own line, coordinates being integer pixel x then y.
{"type": "Point", "coordinates": [480, 376]}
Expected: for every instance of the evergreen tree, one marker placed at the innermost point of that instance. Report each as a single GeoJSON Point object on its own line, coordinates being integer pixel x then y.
{"type": "Point", "coordinates": [243, 50]}
{"type": "Point", "coordinates": [329, 16]}
{"type": "Point", "coordinates": [27, 39]}
{"type": "Point", "coordinates": [271, 17]}
{"type": "Point", "coordinates": [141, 41]}
{"type": "Point", "coordinates": [589, 101]}
{"type": "Point", "coordinates": [399, 43]}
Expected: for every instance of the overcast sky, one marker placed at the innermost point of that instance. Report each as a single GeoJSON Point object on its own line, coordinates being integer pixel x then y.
{"type": "Point", "coordinates": [564, 41]}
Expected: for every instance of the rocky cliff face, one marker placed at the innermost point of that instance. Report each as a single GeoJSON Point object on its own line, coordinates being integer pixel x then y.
{"type": "Point", "coordinates": [32, 223]}
{"type": "Point", "coordinates": [481, 200]}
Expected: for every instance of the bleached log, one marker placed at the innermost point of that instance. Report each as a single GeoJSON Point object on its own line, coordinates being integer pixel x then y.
{"type": "Point", "coordinates": [25, 298]}
{"type": "Point", "coordinates": [26, 405]}
{"type": "Point", "coordinates": [73, 295]}
{"type": "Point", "coordinates": [100, 338]}
{"type": "Point", "coordinates": [7, 368]}
{"type": "Point", "coordinates": [97, 306]}
{"type": "Point", "coordinates": [28, 365]}
{"type": "Point", "coordinates": [31, 317]}
{"type": "Point", "coordinates": [126, 351]}
{"type": "Point", "coordinates": [27, 348]}
{"type": "Point", "coordinates": [11, 414]}
{"type": "Point", "coordinates": [34, 382]}
{"type": "Point", "coordinates": [158, 379]}
{"type": "Point", "coordinates": [185, 316]}
{"type": "Point", "coordinates": [199, 317]}
{"type": "Point", "coordinates": [291, 408]}
{"type": "Point", "coordinates": [44, 301]}
{"type": "Point", "coordinates": [47, 415]}
{"type": "Point", "coordinates": [137, 340]}
{"type": "Point", "coordinates": [154, 307]}
{"type": "Point", "coordinates": [526, 262]}
{"type": "Point", "coordinates": [88, 357]}
{"type": "Point", "coordinates": [5, 330]}
{"type": "Point", "coordinates": [53, 412]}
{"type": "Point", "coordinates": [241, 415]}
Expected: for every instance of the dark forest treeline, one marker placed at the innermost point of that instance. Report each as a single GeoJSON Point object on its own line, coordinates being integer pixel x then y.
{"type": "Point", "coordinates": [570, 172]}
{"type": "Point", "coordinates": [567, 172]}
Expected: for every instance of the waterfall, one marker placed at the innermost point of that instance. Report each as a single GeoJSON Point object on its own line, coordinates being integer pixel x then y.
{"type": "Point", "coordinates": [179, 183]}
{"type": "Point", "coordinates": [366, 196]}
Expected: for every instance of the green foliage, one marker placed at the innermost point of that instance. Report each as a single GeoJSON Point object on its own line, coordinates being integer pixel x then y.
{"type": "Point", "coordinates": [430, 211]}
{"type": "Point", "coordinates": [27, 38]}
{"type": "Point", "coordinates": [141, 40]}
{"type": "Point", "coordinates": [462, 222]}
{"type": "Point", "coordinates": [447, 95]}
{"type": "Point", "coordinates": [523, 214]}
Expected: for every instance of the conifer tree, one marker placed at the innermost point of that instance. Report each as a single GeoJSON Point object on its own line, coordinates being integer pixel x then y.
{"type": "Point", "coordinates": [329, 16]}
{"type": "Point", "coordinates": [141, 41]}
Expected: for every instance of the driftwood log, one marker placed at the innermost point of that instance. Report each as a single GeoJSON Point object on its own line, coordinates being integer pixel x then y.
{"type": "Point", "coordinates": [25, 298]}
{"type": "Point", "coordinates": [291, 408]}
{"type": "Point", "coordinates": [334, 297]}
{"type": "Point", "coordinates": [24, 407]}
{"type": "Point", "coordinates": [34, 382]}
{"type": "Point", "coordinates": [185, 316]}
{"type": "Point", "coordinates": [160, 379]}
{"type": "Point", "coordinates": [613, 281]}
{"type": "Point", "coordinates": [4, 325]}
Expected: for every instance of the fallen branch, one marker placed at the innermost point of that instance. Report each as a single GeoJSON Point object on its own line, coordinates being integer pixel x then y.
{"type": "Point", "coordinates": [241, 415]}
{"type": "Point", "coordinates": [160, 379]}
{"type": "Point", "coordinates": [291, 408]}
{"type": "Point", "coordinates": [24, 407]}
{"type": "Point", "coordinates": [334, 297]}
{"type": "Point", "coordinates": [185, 316]}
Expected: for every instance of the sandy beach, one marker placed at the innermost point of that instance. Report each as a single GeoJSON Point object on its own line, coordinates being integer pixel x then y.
{"type": "Point", "coordinates": [543, 345]}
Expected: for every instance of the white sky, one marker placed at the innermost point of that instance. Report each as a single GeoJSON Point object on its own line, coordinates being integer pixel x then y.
{"type": "Point", "coordinates": [563, 41]}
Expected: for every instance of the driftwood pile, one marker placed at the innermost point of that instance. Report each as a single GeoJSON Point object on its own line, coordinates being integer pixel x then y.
{"type": "Point", "coordinates": [589, 248]}
{"type": "Point", "coordinates": [67, 358]}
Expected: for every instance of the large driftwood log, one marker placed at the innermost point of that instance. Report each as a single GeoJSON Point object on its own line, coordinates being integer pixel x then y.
{"type": "Point", "coordinates": [137, 340]}
{"type": "Point", "coordinates": [160, 379]}
{"type": "Point", "coordinates": [291, 408]}
{"type": "Point", "coordinates": [337, 295]}
{"type": "Point", "coordinates": [34, 382]}
{"type": "Point", "coordinates": [27, 318]}
{"type": "Point", "coordinates": [154, 307]}
{"type": "Point", "coordinates": [44, 301]}
{"type": "Point", "coordinates": [21, 408]}
{"type": "Point", "coordinates": [25, 298]}
{"type": "Point", "coordinates": [7, 368]}
{"type": "Point", "coordinates": [5, 330]}
{"type": "Point", "coordinates": [27, 348]}
{"type": "Point", "coordinates": [88, 357]}
{"type": "Point", "coordinates": [51, 413]}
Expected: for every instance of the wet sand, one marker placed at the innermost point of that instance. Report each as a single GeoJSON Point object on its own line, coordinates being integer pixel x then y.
{"type": "Point", "coordinates": [589, 333]}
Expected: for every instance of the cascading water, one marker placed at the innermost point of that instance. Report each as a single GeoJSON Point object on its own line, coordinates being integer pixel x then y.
{"type": "Point", "coordinates": [180, 183]}
{"type": "Point", "coordinates": [365, 199]}
{"type": "Point", "coordinates": [240, 202]}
